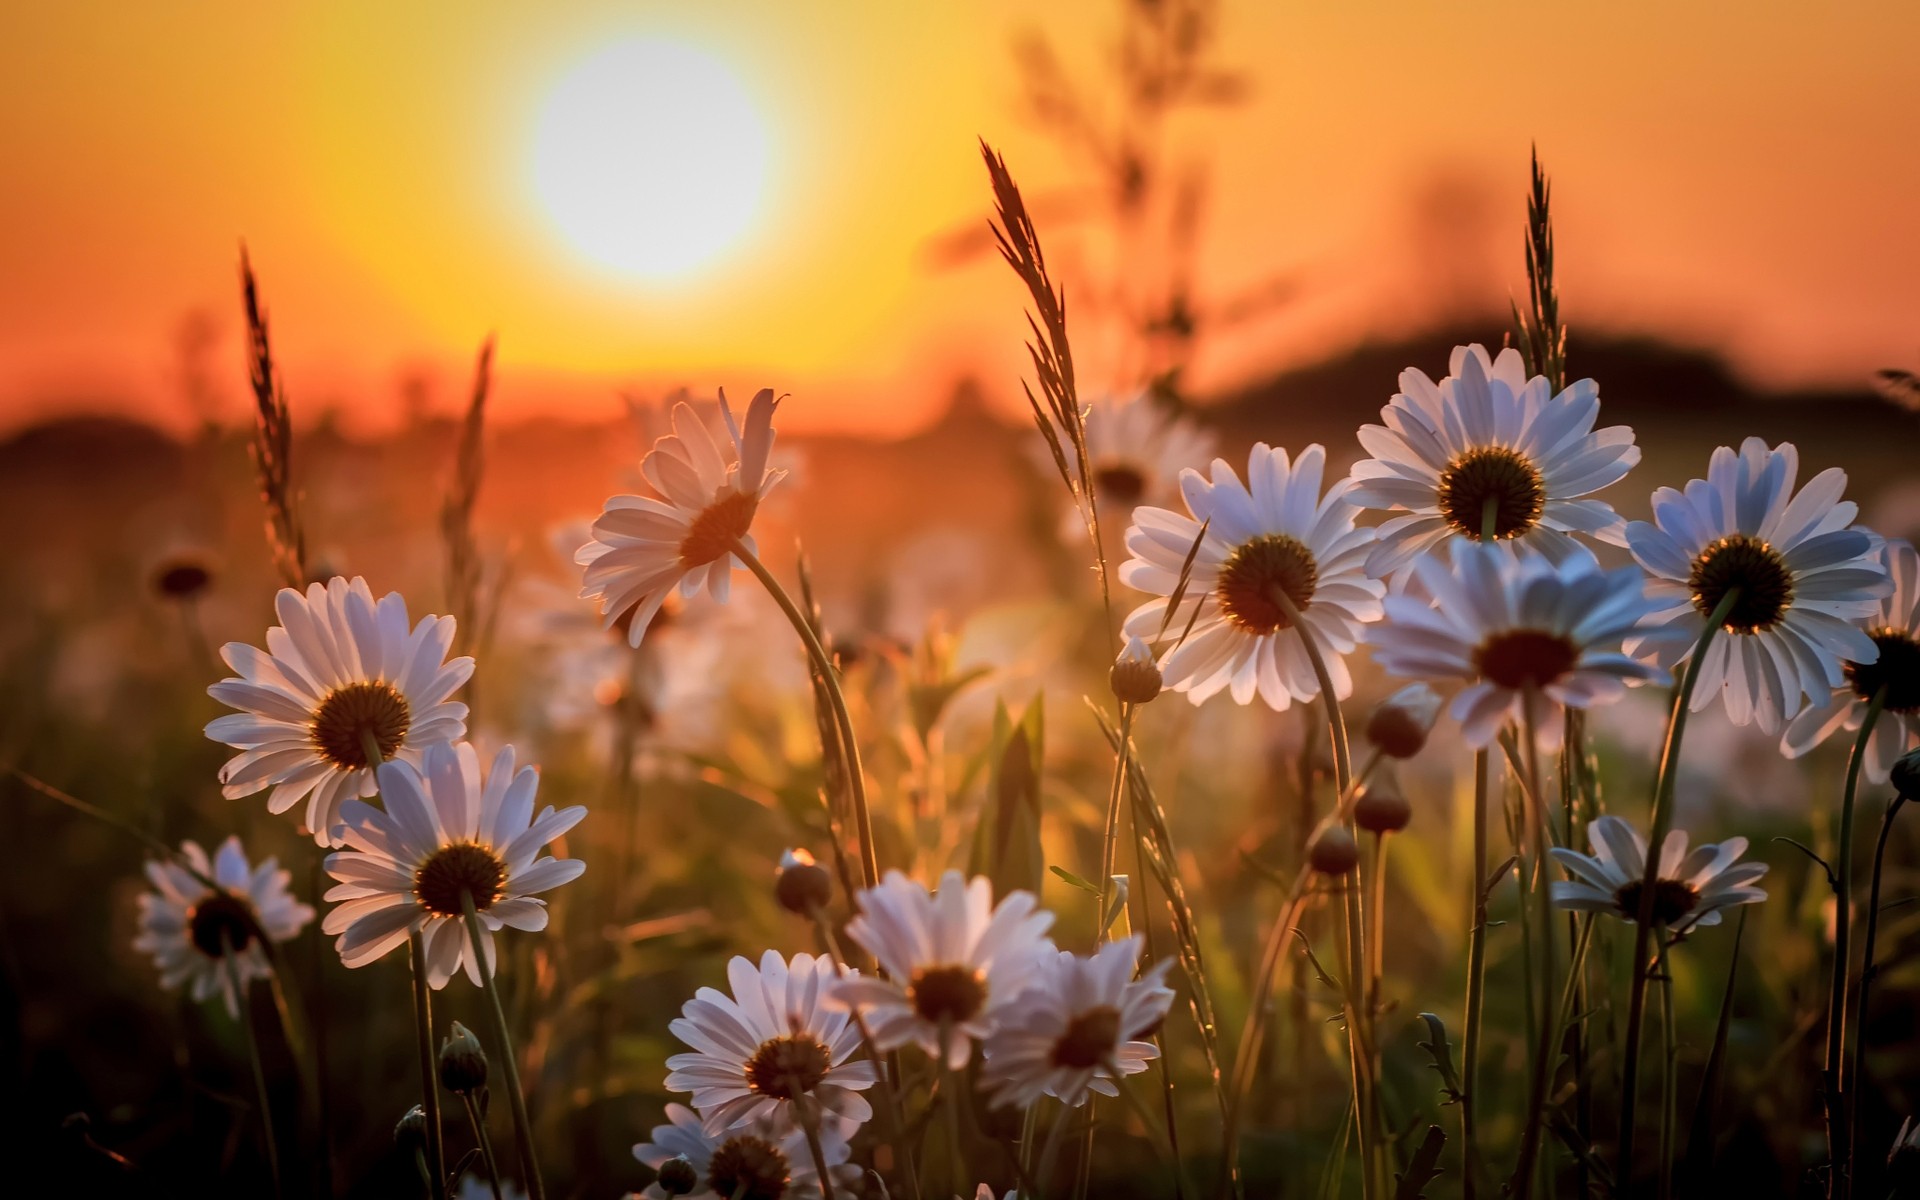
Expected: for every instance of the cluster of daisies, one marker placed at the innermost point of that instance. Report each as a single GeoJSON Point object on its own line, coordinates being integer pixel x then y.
{"type": "Point", "coordinates": [1479, 576]}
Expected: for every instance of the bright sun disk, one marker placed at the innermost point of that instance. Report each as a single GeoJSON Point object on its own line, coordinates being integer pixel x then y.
{"type": "Point", "coordinates": [650, 158]}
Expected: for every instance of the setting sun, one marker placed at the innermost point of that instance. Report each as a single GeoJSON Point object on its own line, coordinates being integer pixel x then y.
{"type": "Point", "coordinates": [650, 159]}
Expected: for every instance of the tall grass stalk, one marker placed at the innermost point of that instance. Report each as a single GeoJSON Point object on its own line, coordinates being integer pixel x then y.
{"type": "Point", "coordinates": [1839, 1082]}
{"type": "Point", "coordinates": [1109, 841]}
{"type": "Point", "coordinates": [1661, 820]}
{"type": "Point", "coordinates": [272, 445]}
{"type": "Point", "coordinates": [456, 514]}
{"type": "Point", "coordinates": [522, 1123]}
{"type": "Point", "coordinates": [830, 677]}
{"type": "Point", "coordinates": [1866, 985]}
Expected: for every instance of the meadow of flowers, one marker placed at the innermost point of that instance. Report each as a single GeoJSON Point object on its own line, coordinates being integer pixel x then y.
{"type": "Point", "coordinates": [745, 912]}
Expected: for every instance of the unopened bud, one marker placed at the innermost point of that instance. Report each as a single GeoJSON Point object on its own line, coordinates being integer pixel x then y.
{"type": "Point", "coordinates": [411, 1133]}
{"type": "Point", "coordinates": [1134, 677]}
{"type": "Point", "coordinates": [1333, 851]}
{"type": "Point", "coordinates": [678, 1177]}
{"type": "Point", "coordinates": [1906, 775]}
{"type": "Point", "coordinates": [463, 1063]}
{"type": "Point", "coordinates": [1399, 725]}
{"type": "Point", "coordinates": [802, 886]}
{"type": "Point", "coordinates": [1382, 809]}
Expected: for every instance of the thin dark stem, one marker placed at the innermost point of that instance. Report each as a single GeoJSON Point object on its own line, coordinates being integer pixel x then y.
{"type": "Point", "coordinates": [810, 1122]}
{"type": "Point", "coordinates": [1839, 1082]}
{"type": "Point", "coordinates": [889, 1098]}
{"type": "Point", "coordinates": [522, 1124]}
{"type": "Point", "coordinates": [244, 1003]}
{"type": "Point", "coordinates": [429, 1078]}
{"type": "Point", "coordinates": [1110, 840]}
{"type": "Point", "coordinates": [1662, 820]}
{"type": "Point", "coordinates": [1476, 987]}
{"type": "Point", "coordinates": [484, 1141]}
{"type": "Point", "coordinates": [830, 676]}
{"type": "Point", "coordinates": [1545, 1052]}
{"type": "Point", "coordinates": [1866, 985]}
{"type": "Point", "coordinates": [1669, 1080]}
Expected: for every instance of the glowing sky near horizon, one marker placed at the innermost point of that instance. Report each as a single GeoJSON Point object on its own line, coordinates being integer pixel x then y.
{"type": "Point", "coordinates": [1739, 176]}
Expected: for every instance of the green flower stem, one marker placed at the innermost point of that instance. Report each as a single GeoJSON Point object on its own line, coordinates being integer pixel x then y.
{"type": "Point", "coordinates": [1662, 821]}
{"type": "Point", "coordinates": [1839, 1082]}
{"type": "Point", "coordinates": [485, 1143]}
{"type": "Point", "coordinates": [889, 1099]}
{"type": "Point", "coordinates": [830, 675]}
{"type": "Point", "coordinates": [522, 1124]}
{"type": "Point", "coordinates": [429, 1078]}
{"type": "Point", "coordinates": [1476, 987]}
{"type": "Point", "coordinates": [1669, 1077]}
{"type": "Point", "coordinates": [1546, 1048]}
{"type": "Point", "coordinates": [1866, 984]}
{"type": "Point", "coordinates": [1111, 838]}
{"type": "Point", "coordinates": [244, 1002]}
{"type": "Point", "coordinates": [810, 1122]}
{"type": "Point", "coordinates": [1050, 1152]}
{"type": "Point", "coordinates": [950, 1100]}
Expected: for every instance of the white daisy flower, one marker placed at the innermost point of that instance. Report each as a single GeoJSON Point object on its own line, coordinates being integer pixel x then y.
{"type": "Point", "coordinates": [644, 547]}
{"type": "Point", "coordinates": [1514, 627]}
{"type": "Point", "coordinates": [1691, 890]}
{"type": "Point", "coordinates": [194, 931]}
{"type": "Point", "coordinates": [1486, 439]}
{"type": "Point", "coordinates": [447, 831]}
{"type": "Point", "coordinates": [755, 1161]}
{"type": "Point", "coordinates": [339, 671]}
{"type": "Point", "coordinates": [952, 959]}
{"type": "Point", "coordinates": [1136, 449]}
{"type": "Point", "coordinates": [1079, 1019]}
{"type": "Point", "coordinates": [1279, 536]}
{"type": "Point", "coordinates": [1805, 579]}
{"type": "Point", "coordinates": [771, 1044]}
{"type": "Point", "coordinates": [1894, 629]}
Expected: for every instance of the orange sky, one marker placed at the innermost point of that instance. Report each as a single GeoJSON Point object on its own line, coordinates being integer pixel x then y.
{"type": "Point", "coordinates": [1744, 175]}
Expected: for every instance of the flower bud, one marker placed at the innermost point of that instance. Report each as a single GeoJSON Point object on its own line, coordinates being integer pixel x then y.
{"type": "Point", "coordinates": [411, 1133]}
{"type": "Point", "coordinates": [1135, 679]}
{"type": "Point", "coordinates": [802, 886]}
{"type": "Point", "coordinates": [1333, 851]}
{"type": "Point", "coordinates": [1399, 725]}
{"type": "Point", "coordinates": [678, 1177]}
{"type": "Point", "coordinates": [1906, 775]}
{"type": "Point", "coordinates": [463, 1063]}
{"type": "Point", "coordinates": [1382, 809]}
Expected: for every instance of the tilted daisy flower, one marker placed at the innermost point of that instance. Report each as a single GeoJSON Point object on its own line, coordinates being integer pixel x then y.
{"type": "Point", "coordinates": [1894, 630]}
{"type": "Point", "coordinates": [952, 959]}
{"type": "Point", "coordinates": [1276, 535]}
{"type": "Point", "coordinates": [1079, 1020]}
{"type": "Point", "coordinates": [1488, 443]}
{"type": "Point", "coordinates": [339, 673]}
{"type": "Point", "coordinates": [755, 1161]}
{"type": "Point", "coordinates": [206, 936]}
{"type": "Point", "coordinates": [772, 1044]}
{"type": "Point", "coordinates": [448, 831]}
{"type": "Point", "coordinates": [1692, 889]}
{"type": "Point", "coordinates": [1521, 630]}
{"type": "Point", "coordinates": [643, 547]}
{"type": "Point", "coordinates": [1805, 578]}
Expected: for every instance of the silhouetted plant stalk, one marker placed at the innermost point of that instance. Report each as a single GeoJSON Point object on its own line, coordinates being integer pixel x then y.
{"type": "Point", "coordinates": [1661, 821]}
{"type": "Point", "coordinates": [1476, 946]}
{"type": "Point", "coordinates": [244, 1002]}
{"type": "Point", "coordinates": [883, 1075]}
{"type": "Point", "coordinates": [1867, 970]}
{"type": "Point", "coordinates": [272, 445]}
{"type": "Point", "coordinates": [522, 1123]}
{"type": "Point", "coordinates": [1545, 1049]}
{"type": "Point", "coordinates": [1840, 1082]}
{"type": "Point", "coordinates": [829, 677]}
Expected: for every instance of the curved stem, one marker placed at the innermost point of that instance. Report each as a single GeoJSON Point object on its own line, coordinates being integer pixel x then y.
{"type": "Point", "coordinates": [1839, 1082]}
{"type": "Point", "coordinates": [889, 1099]}
{"type": "Point", "coordinates": [429, 1077]}
{"type": "Point", "coordinates": [830, 678]}
{"type": "Point", "coordinates": [1669, 1081]}
{"type": "Point", "coordinates": [522, 1124]}
{"type": "Point", "coordinates": [1110, 839]}
{"type": "Point", "coordinates": [1661, 821]}
{"type": "Point", "coordinates": [243, 1003]}
{"type": "Point", "coordinates": [1866, 985]}
{"type": "Point", "coordinates": [485, 1143]}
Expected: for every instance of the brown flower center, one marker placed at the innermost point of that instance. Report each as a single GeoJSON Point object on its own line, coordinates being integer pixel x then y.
{"type": "Point", "coordinates": [464, 868]}
{"type": "Point", "coordinates": [1672, 900]}
{"type": "Point", "coordinates": [1120, 483]}
{"type": "Point", "coordinates": [220, 924]}
{"type": "Point", "coordinates": [1897, 670]}
{"type": "Point", "coordinates": [715, 529]}
{"type": "Point", "coordinates": [1090, 1039]}
{"type": "Point", "coordinates": [746, 1167]}
{"type": "Point", "coordinates": [1492, 476]}
{"type": "Point", "coordinates": [1753, 566]}
{"type": "Point", "coordinates": [788, 1067]}
{"type": "Point", "coordinates": [351, 714]}
{"type": "Point", "coordinates": [951, 994]}
{"type": "Point", "coordinates": [1521, 658]}
{"type": "Point", "coordinates": [1256, 572]}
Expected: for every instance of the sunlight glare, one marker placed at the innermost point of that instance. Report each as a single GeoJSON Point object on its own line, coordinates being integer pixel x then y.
{"type": "Point", "coordinates": [650, 158]}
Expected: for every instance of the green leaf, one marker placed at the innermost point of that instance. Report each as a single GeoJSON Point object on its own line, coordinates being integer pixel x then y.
{"type": "Point", "coordinates": [1006, 842]}
{"type": "Point", "coordinates": [1423, 1168]}
{"type": "Point", "coordinates": [1075, 880]}
{"type": "Point", "coordinates": [1441, 1052]}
